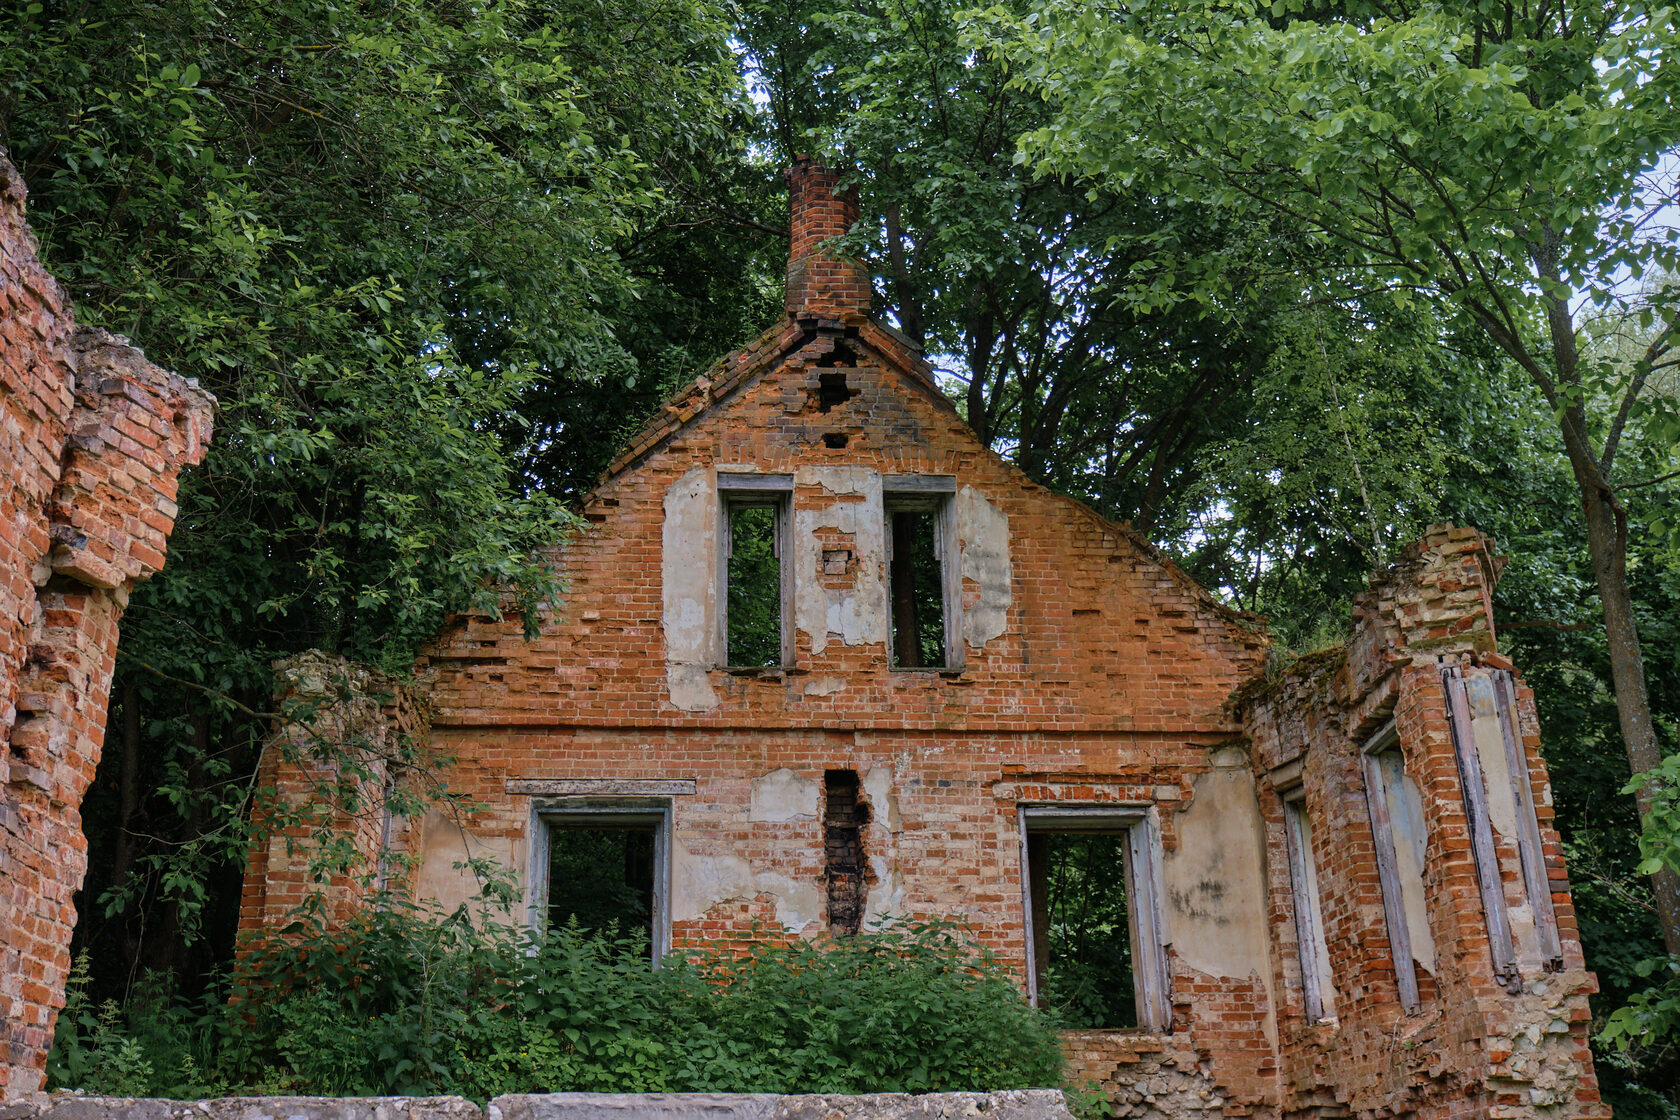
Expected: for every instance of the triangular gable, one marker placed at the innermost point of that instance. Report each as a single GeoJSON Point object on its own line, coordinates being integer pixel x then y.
{"type": "Point", "coordinates": [809, 338]}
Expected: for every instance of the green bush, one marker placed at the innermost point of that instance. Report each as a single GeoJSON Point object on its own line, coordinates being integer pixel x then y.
{"type": "Point", "coordinates": [401, 1002]}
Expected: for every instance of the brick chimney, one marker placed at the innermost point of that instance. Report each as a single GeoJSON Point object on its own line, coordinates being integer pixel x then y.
{"type": "Point", "coordinates": [818, 282]}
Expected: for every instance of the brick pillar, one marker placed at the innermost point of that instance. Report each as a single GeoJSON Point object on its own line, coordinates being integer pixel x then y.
{"type": "Point", "coordinates": [820, 283]}
{"type": "Point", "coordinates": [328, 768]}
{"type": "Point", "coordinates": [92, 440]}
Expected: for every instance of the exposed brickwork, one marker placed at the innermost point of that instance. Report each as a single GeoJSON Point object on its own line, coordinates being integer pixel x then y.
{"type": "Point", "coordinates": [92, 437]}
{"type": "Point", "coordinates": [1094, 675]}
{"type": "Point", "coordinates": [817, 281]}
{"type": "Point", "coordinates": [1474, 1047]}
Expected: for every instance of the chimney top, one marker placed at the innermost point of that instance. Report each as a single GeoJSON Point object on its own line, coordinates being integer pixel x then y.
{"type": "Point", "coordinates": [820, 282]}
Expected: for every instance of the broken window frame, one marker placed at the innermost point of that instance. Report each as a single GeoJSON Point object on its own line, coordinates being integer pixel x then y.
{"type": "Point", "coordinates": [548, 813]}
{"type": "Point", "coordinates": [740, 490]}
{"type": "Point", "coordinates": [1387, 738]}
{"type": "Point", "coordinates": [1151, 979]}
{"type": "Point", "coordinates": [1311, 947]}
{"type": "Point", "coordinates": [924, 493]}
{"type": "Point", "coordinates": [1530, 848]}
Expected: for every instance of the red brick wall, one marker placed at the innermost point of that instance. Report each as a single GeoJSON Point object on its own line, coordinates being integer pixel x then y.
{"type": "Point", "coordinates": [93, 439]}
{"type": "Point", "coordinates": [1473, 1047]}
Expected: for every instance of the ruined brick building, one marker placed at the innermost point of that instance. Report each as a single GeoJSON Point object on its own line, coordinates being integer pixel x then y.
{"type": "Point", "coordinates": [826, 657]}
{"type": "Point", "coordinates": [92, 440]}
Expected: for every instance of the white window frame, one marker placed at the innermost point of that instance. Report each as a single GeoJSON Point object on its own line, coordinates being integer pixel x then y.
{"type": "Point", "coordinates": [1151, 980]}
{"type": "Point", "coordinates": [602, 812]}
{"type": "Point", "coordinates": [743, 490]}
{"type": "Point", "coordinates": [936, 493]}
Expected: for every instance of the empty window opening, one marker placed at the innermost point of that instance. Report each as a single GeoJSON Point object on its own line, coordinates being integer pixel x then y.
{"type": "Point", "coordinates": [605, 871]}
{"type": "Point", "coordinates": [841, 355]}
{"type": "Point", "coordinates": [834, 441]}
{"type": "Point", "coordinates": [832, 390]}
{"type": "Point", "coordinates": [1310, 945]}
{"type": "Point", "coordinates": [844, 817]}
{"type": "Point", "coordinates": [922, 573]}
{"type": "Point", "coordinates": [1083, 941]}
{"type": "Point", "coordinates": [753, 570]}
{"type": "Point", "coordinates": [1401, 838]}
{"type": "Point", "coordinates": [1094, 948]}
{"type": "Point", "coordinates": [755, 586]}
{"type": "Point", "coordinates": [601, 879]}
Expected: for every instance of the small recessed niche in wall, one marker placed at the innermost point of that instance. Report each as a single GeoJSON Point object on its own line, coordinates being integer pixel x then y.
{"type": "Point", "coordinates": [844, 816]}
{"type": "Point", "coordinates": [835, 440]}
{"type": "Point", "coordinates": [832, 390]}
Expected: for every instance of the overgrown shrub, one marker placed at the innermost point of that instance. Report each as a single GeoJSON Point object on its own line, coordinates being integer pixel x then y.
{"type": "Point", "coordinates": [400, 1002]}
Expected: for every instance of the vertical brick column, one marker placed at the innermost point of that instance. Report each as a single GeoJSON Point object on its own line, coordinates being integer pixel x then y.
{"type": "Point", "coordinates": [92, 440]}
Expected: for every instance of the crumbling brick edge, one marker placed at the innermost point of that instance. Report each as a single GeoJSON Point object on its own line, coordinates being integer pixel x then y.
{"type": "Point", "coordinates": [1009, 1104]}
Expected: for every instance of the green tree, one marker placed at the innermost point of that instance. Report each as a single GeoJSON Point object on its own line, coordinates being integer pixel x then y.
{"type": "Point", "coordinates": [1492, 158]}
{"type": "Point", "coordinates": [374, 230]}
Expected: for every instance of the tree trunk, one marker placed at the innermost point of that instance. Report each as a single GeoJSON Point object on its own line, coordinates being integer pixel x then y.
{"type": "Point", "coordinates": [1607, 545]}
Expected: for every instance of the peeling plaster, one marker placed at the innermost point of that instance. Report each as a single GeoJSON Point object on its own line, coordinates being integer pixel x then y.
{"type": "Point", "coordinates": [688, 575]}
{"type": "Point", "coordinates": [983, 530]}
{"type": "Point", "coordinates": [700, 882]}
{"type": "Point", "coordinates": [443, 844]}
{"type": "Point", "coordinates": [1214, 881]}
{"type": "Point", "coordinates": [887, 892]}
{"type": "Point", "coordinates": [856, 615]}
{"type": "Point", "coordinates": [782, 795]}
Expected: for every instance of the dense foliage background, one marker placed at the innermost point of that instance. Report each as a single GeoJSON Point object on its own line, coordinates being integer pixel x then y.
{"type": "Point", "coordinates": [1280, 285]}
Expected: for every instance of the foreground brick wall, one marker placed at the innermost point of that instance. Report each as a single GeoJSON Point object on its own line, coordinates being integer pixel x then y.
{"type": "Point", "coordinates": [92, 437]}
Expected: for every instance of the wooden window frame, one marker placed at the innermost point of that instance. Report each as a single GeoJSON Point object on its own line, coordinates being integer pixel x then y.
{"type": "Point", "coordinates": [1150, 975]}
{"type": "Point", "coordinates": [1530, 849]}
{"type": "Point", "coordinates": [1316, 983]}
{"type": "Point", "coordinates": [923, 492]}
{"type": "Point", "coordinates": [1387, 738]}
{"type": "Point", "coordinates": [602, 812]}
{"type": "Point", "coordinates": [742, 490]}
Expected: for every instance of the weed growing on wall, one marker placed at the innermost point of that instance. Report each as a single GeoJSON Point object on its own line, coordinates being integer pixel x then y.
{"type": "Point", "coordinates": [398, 1001]}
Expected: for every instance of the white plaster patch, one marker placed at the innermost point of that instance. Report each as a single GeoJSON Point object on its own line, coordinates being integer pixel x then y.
{"type": "Point", "coordinates": [1215, 908]}
{"type": "Point", "coordinates": [824, 686]}
{"type": "Point", "coordinates": [443, 844]}
{"type": "Point", "coordinates": [880, 842]}
{"type": "Point", "coordinates": [700, 882]}
{"type": "Point", "coordinates": [856, 615]}
{"type": "Point", "coordinates": [983, 530]}
{"type": "Point", "coordinates": [688, 578]}
{"type": "Point", "coordinates": [782, 795]}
